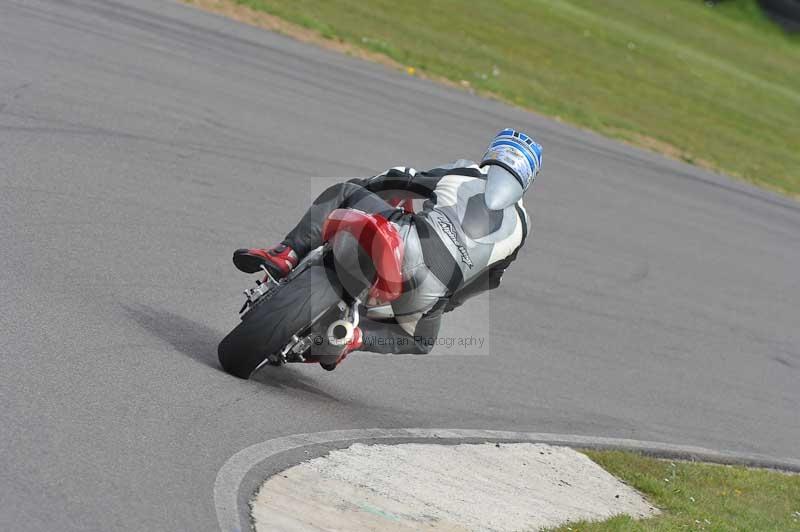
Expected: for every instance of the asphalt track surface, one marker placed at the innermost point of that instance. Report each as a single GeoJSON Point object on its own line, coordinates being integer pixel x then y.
{"type": "Point", "coordinates": [141, 142]}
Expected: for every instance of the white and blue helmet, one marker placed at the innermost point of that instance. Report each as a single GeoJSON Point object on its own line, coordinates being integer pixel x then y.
{"type": "Point", "coordinates": [514, 159]}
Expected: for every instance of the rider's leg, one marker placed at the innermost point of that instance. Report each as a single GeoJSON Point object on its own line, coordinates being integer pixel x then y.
{"type": "Point", "coordinates": [390, 337]}
{"type": "Point", "coordinates": [307, 235]}
{"type": "Point", "coordinates": [417, 312]}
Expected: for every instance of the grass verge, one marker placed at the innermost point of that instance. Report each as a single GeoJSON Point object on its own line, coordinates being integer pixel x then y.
{"type": "Point", "coordinates": [714, 86]}
{"type": "Point", "coordinates": [694, 496]}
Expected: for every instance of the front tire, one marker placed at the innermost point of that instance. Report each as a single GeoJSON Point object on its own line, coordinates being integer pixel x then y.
{"type": "Point", "coordinates": [268, 326]}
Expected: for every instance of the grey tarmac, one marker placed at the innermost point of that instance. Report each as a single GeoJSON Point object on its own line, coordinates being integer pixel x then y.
{"type": "Point", "coordinates": [141, 141]}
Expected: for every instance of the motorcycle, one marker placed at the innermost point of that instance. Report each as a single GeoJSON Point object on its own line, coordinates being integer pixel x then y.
{"type": "Point", "coordinates": [310, 315]}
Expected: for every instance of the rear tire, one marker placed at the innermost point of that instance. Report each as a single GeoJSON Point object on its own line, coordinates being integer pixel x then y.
{"type": "Point", "coordinates": [268, 326]}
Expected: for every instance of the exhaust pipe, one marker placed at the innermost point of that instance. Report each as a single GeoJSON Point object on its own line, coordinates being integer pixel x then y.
{"type": "Point", "coordinates": [340, 332]}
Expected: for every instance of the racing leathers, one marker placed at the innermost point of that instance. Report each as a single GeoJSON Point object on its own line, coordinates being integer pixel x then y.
{"type": "Point", "coordinates": [454, 247]}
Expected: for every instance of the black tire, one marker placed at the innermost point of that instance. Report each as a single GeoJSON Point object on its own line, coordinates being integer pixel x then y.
{"type": "Point", "coordinates": [268, 326]}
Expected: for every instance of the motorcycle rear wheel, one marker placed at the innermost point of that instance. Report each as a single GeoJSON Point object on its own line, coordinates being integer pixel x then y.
{"type": "Point", "coordinates": [268, 327]}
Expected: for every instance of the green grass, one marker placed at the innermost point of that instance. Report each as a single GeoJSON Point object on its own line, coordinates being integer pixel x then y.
{"type": "Point", "coordinates": [696, 496]}
{"type": "Point", "coordinates": [718, 86]}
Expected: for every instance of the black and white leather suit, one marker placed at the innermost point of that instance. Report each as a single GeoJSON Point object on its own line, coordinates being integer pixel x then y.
{"type": "Point", "coordinates": [454, 248]}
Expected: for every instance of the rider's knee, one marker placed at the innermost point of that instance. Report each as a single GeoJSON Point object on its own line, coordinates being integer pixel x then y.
{"type": "Point", "coordinates": [333, 193]}
{"type": "Point", "coordinates": [424, 345]}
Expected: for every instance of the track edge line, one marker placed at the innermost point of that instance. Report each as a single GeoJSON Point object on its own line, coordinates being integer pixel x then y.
{"type": "Point", "coordinates": [232, 473]}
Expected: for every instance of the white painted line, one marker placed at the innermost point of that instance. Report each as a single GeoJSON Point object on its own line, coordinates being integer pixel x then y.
{"type": "Point", "coordinates": [233, 471]}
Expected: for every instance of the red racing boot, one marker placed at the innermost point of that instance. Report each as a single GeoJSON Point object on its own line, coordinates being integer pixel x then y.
{"type": "Point", "coordinates": [355, 343]}
{"type": "Point", "coordinates": [279, 260]}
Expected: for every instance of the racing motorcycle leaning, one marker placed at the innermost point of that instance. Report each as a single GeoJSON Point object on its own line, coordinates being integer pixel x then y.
{"type": "Point", "coordinates": [310, 315]}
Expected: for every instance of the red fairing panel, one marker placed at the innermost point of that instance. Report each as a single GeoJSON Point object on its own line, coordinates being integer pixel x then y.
{"type": "Point", "coordinates": [379, 238]}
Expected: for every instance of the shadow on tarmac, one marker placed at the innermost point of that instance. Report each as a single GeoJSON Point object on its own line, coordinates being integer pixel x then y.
{"type": "Point", "coordinates": [199, 342]}
{"type": "Point", "coordinates": [193, 339]}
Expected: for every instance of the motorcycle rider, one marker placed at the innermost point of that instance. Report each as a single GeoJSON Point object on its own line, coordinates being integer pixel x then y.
{"type": "Point", "coordinates": [470, 228]}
